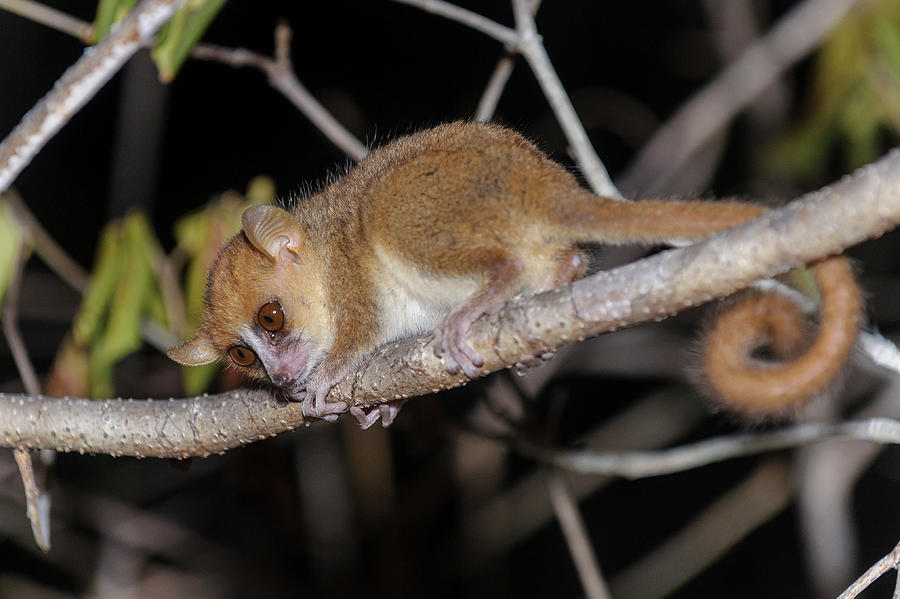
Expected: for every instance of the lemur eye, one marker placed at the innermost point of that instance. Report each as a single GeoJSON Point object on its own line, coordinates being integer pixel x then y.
{"type": "Point", "coordinates": [242, 356]}
{"type": "Point", "coordinates": [271, 317]}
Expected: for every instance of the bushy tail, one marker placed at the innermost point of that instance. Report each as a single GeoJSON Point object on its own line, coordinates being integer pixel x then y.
{"type": "Point", "coordinates": [751, 385]}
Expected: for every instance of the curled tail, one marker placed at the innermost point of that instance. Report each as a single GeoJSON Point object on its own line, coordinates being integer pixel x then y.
{"type": "Point", "coordinates": [751, 385]}
{"type": "Point", "coordinates": [744, 382]}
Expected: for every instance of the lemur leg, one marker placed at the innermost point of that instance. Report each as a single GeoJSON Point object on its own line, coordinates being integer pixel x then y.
{"type": "Point", "coordinates": [571, 267]}
{"type": "Point", "coordinates": [449, 334]}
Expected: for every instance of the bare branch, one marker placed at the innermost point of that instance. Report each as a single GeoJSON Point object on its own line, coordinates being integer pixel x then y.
{"type": "Point", "coordinates": [526, 40]}
{"type": "Point", "coordinates": [46, 247]}
{"type": "Point", "coordinates": [487, 105]}
{"type": "Point", "coordinates": [38, 503]}
{"type": "Point", "coordinates": [577, 539]}
{"type": "Point", "coordinates": [532, 48]}
{"type": "Point", "coordinates": [146, 428]}
{"type": "Point", "coordinates": [522, 509]}
{"type": "Point", "coordinates": [450, 11]}
{"type": "Point", "coordinates": [45, 15]}
{"type": "Point", "coordinates": [888, 562]}
{"type": "Point", "coordinates": [279, 71]}
{"type": "Point", "coordinates": [713, 107]}
{"type": "Point", "coordinates": [707, 537]}
{"type": "Point", "coordinates": [880, 350]}
{"type": "Point", "coordinates": [642, 464]}
{"type": "Point", "coordinates": [79, 84]}
{"type": "Point", "coordinates": [281, 76]}
{"type": "Point", "coordinates": [11, 330]}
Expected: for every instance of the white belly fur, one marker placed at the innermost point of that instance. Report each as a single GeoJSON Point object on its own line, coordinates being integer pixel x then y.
{"type": "Point", "coordinates": [412, 302]}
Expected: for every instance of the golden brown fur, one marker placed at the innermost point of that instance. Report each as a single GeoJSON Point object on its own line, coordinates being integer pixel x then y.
{"type": "Point", "coordinates": [433, 230]}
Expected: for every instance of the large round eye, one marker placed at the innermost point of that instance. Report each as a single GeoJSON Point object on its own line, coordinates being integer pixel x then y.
{"type": "Point", "coordinates": [271, 317]}
{"type": "Point", "coordinates": [242, 356]}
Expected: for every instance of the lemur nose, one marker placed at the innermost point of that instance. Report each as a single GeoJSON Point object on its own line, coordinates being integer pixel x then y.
{"type": "Point", "coordinates": [283, 379]}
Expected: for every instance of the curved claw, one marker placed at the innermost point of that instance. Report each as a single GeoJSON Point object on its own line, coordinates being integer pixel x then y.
{"type": "Point", "coordinates": [315, 406]}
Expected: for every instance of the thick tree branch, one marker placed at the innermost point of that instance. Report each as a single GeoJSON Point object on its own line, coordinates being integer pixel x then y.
{"type": "Point", "coordinates": [857, 208]}
{"type": "Point", "coordinates": [150, 428]}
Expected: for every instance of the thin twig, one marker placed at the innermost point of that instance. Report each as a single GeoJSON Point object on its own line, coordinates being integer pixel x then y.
{"type": "Point", "coordinates": [79, 84]}
{"type": "Point", "coordinates": [11, 330]}
{"type": "Point", "coordinates": [523, 508]}
{"type": "Point", "coordinates": [280, 73]}
{"type": "Point", "coordinates": [46, 247]}
{"type": "Point", "coordinates": [888, 562]}
{"type": "Point", "coordinates": [576, 536]}
{"type": "Point", "coordinates": [532, 48]}
{"type": "Point", "coordinates": [526, 40]}
{"type": "Point", "coordinates": [467, 17]}
{"type": "Point", "coordinates": [38, 503]}
{"type": "Point", "coordinates": [713, 107]}
{"type": "Point", "coordinates": [45, 15]}
{"type": "Point", "coordinates": [487, 105]}
{"type": "Point", "coordinates": [640, 464]}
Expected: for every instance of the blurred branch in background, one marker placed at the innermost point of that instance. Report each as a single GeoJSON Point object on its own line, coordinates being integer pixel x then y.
{"type": "Point", "coordinates": [713, 107]}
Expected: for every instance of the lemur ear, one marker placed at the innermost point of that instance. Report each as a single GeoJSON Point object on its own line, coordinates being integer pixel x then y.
{"type": "Point", "coordinates": [196, 351]}
{"type": "Point", "coordinates": [272, 230]}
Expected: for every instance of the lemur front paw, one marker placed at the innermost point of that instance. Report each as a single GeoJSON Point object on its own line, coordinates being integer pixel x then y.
{"type": "Point", "coordinates": [314, 400]}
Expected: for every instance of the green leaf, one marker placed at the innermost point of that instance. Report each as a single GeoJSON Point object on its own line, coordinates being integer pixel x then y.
{"type": "Point", "coordinates": [122, 334]}
{"type": "Point", "coordinates": [261, 190]}
{"type": "Point", "coordinates": [197, 379]}
{"type": "Point", "coordinates": [11, 239]}
{"type": "Point", "coordinates": [95, 302]}
{"type": "Point", "coordinates": [178, 37]}
{"type": "Point", "coordinates": [854, 97]}
{"type": "Point", "coordinates": [108, 13]}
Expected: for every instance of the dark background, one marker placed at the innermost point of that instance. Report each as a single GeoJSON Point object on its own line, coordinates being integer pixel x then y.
{"type": "Point", "coordinates": [245, 525]}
